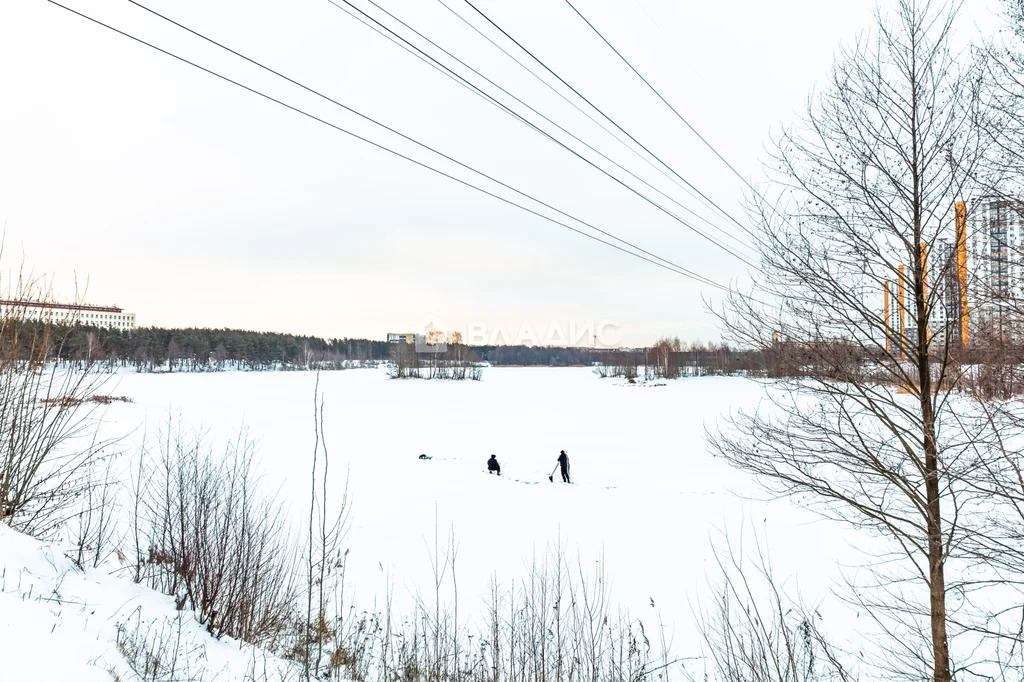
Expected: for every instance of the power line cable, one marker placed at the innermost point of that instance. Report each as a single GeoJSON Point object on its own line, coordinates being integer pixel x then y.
{"type": "Point", "coordinates": [396, 132]}
{"type": "Point", "coordinates": [664, 101]}
{"type": "Point", "coordinates": [603, 114]}
{"type": "Point", "coordinates": [675, 269]}
{"type": "Point", "coordinates": [416, 52]}
{"type": "Point", "coordinates": [549, 136]}
{"type": "Point", "coordinates": [589, 116]}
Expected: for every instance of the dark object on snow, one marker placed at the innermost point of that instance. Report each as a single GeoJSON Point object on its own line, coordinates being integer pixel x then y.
{"type": "Point", "coordinates": [563, 462]}
{"type": "Point", "coordinates": [493, 466]}
{"type": "Point", "coordinates": [424, 457]}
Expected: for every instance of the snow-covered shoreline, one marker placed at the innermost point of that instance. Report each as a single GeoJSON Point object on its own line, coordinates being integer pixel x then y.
{"type": "Point", "coordinates": [62, 622]}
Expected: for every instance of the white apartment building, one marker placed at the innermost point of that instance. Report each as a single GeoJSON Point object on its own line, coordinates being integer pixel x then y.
{"type": "Point", "coordinates": [995, 255]}
{"type": "Point", "coordinates": [104, 317]}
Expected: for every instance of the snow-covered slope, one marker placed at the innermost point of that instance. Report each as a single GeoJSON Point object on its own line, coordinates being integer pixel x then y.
{"type": "Point", "coordinates": [60, 623]}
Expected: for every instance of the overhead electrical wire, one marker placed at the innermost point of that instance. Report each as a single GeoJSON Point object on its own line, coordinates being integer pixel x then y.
{"type": "Point", "coordinates": [710, 202]}
{"type": "Point", "coordinates": [433, 63]}
{"type": "Point", "coordinates": [522, 119]}
{"type": "Point", "coordinates": [395, 131]}
{"type": "Point", "coordinates": [665, 264]}
{"type": "Point", "coordinates": [418, 53]}
{"type": "Point", "coordinates": [632, 149]}
{"type": "Point", "coordinates": [665, 102]}
{"type": "Point", "coordinates": [535, 127]}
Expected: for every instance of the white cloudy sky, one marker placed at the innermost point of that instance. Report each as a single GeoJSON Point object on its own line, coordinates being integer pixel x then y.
{"type": "Point", "coordinates": [193, 203]}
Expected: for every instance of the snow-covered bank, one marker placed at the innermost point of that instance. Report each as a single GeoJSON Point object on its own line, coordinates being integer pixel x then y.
{"type": "Point", "coordinates": [61, 623]}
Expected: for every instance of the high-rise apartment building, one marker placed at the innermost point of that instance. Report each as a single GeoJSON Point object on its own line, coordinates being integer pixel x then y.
{"type": "Point", "coordinates": [996, 257]}
{"type": "Point", "coordinates": [995, 249]}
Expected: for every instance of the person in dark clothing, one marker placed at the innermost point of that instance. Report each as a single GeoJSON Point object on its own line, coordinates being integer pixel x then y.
{"type": "Point", "coordinates": [563, 463]}
{"type": "Point", "coordinates": [493, 466]}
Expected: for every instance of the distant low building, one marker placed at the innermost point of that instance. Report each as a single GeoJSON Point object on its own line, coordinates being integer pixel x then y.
{"type": "Point", "coordinates": [105, 317]}
{"type": "Point", "coordinates": [421, 343]}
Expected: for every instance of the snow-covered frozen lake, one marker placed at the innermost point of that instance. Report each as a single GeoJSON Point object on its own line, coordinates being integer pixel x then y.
{"type": "Point", "coordinates": [646, 495]}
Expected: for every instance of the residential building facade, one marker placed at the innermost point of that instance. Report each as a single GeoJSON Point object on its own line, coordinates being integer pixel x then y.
{"type": "Point", "coordinates": [104, 317]}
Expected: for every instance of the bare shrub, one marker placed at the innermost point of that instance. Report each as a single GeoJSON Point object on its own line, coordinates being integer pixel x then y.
{"type": "Point", "coordinates": [996, 371]}
{"type": "Point", "coordinates": [108, 399]}
{"type": "Point", "coordinates": [168, 650]}
{"type": "Point", "coordinates": [556, 623]}
{"type": "Point", "coordinates": [92, 531]}
{"type": "Point", "coordinates": [753, 631]}
{"type": "Point", "coordinates": [215, 541]}
{"type": "Point", "coordinates": [160, 652]}
{"type": "Point", "coordinates": [46, 451]}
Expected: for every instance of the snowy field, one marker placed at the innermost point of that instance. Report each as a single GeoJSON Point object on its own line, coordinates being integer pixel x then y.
{"type": "Point", "coordinates": [646, 493]}
{"type": "Point", "coordinates": [647, 496]}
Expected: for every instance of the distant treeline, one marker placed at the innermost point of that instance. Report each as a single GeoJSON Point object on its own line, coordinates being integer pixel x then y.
{"type": "Point", "coordinates": [156, 348]}
{"type": "Point", "coordinates": [150, 349]}
{"type": "Point", "coordinates": [672, 359]}
{"type": "Point", "coordinates": [159, 349]}
{"type": "Point", "coordinates": [546, 356]}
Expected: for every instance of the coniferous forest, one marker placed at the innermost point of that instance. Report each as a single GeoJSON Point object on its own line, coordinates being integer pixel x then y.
{"type": "Point", "coordinates": [192, 349]}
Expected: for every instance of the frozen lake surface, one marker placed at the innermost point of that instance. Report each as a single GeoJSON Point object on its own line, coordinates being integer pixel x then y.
{"type": "Point", "coordinates": [647, 495]}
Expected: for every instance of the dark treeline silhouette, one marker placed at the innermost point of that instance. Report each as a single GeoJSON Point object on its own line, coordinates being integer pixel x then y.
{"type": "Point", "coordinates": [546, 356]}
{"type": "Point", "coordinates": [158, 349]}
{"type": "Point", "coordinates": [672, 359]}
{"type": "Point", "coordinates": [155, 349]}
{"type": "Point", "coordinates": [151, 349]}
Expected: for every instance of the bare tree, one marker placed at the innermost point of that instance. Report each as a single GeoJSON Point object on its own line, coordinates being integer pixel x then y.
{"type": "Point", "coordinates": [864, 187]}
{"type": "Point", "coordinates": [664, 359]}
{"type": "Point", "coordinates": [405, 362]}
{"type": "Point", "coordinates": [48, 423]}
{"type": "Point", "coordinates": [327, 527]}
{"type": "Point", "coordinates": [1004, 178]}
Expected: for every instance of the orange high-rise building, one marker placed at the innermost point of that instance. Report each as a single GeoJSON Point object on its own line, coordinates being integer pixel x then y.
{"type": "Point", "coordinates": [901, 309]}
{"type": "Point", "coordinates": [961, 271]}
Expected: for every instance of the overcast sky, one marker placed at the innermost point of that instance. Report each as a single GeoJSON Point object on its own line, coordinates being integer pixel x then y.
{"type": "Point", "coordinates": [191, 202]}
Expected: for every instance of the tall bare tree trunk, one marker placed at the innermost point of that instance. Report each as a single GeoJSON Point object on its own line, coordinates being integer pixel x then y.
{"type": "Point", "coordinates": [865, 423]}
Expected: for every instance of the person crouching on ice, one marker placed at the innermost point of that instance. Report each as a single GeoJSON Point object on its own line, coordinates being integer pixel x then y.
{"type": "Point", "coordinates": [493, 466]}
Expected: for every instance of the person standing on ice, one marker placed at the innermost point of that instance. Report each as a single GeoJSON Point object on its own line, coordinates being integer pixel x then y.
{"type": "Point", "coordinates": [493, 466]}
{"type": "Point", "coordinates": [563, 463]}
